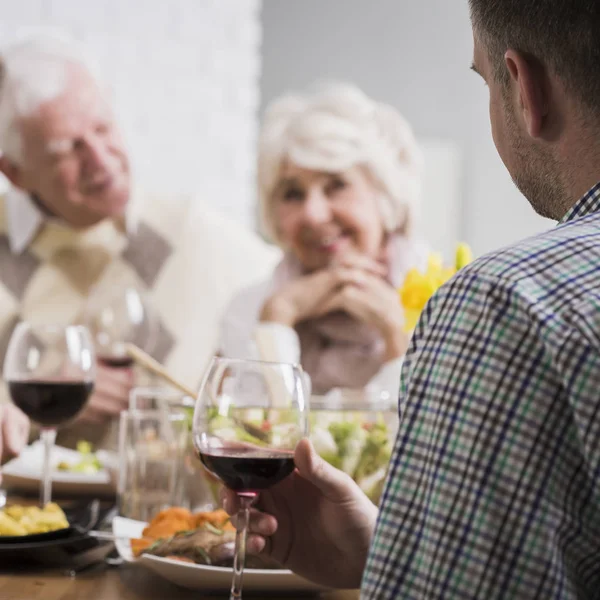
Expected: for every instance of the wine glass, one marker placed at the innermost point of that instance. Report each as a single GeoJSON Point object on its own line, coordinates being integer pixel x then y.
{"type": "Point", "coordinates": [50, 371]}
{"type": "Point", "coordinates": [117, 315]}
{"type": "Point", "coordinates": [248, 418]}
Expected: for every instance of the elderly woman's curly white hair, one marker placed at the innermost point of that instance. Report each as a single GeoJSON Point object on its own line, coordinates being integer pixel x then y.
{"type": "Point", "coordinates": [332, 130]}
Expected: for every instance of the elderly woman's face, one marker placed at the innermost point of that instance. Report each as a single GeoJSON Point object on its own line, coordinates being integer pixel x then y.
{"type": "Point", "coordinates": [322, 216]}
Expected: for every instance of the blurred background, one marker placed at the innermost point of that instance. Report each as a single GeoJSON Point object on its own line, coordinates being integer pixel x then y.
{"type": "Point", "coordinates": [191, 78]}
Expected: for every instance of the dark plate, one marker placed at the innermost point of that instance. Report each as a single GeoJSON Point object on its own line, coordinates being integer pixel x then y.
{"type": "Point", "coordinates": [78, 518]}
{"type": "Point", "coordinates": [9, 540]}
{"type": "Point", "coordinates": [64, 547]}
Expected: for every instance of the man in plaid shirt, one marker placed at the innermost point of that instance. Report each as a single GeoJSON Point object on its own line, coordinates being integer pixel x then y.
{"type": "Point", "coordinates": [493, 490]}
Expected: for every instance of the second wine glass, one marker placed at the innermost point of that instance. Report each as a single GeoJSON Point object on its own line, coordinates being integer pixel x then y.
{"type": "Point", "coordinates": [249, 416]}
{"type": "Point", "coordinates": [116, 315]}
{"type": "Point", "coordinates": [50, 372]}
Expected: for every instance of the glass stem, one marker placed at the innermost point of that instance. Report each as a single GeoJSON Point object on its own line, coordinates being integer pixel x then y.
{"type": "Point", "coordinates": [241, 534]}
{"type": "Point", "coordinates": [48, 436]}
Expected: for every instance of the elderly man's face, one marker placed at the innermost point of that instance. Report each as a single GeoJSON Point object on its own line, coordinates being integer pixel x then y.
{"type": "Point", "coordinates": [74, 159]}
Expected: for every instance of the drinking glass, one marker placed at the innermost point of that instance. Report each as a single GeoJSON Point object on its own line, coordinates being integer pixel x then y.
{"type": "Point", "coordinates": [248, 418]}
{"type": "Point", "coordinates": [50, 372]}
{"type": "Point", "coordinates": [152, 444]}
{"type": "Point", "coordinates": [117, 315]}
{"type": "Point", "coordinates": [197, 490]}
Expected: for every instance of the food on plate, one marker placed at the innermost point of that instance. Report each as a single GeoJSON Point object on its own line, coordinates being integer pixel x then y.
{"type": "Point", "coordinates": [168, 522]}
{"type": "Point", "coordinates": [17, 520]}
{"type": "Point", "coordinates": [206, 538]}
{"type": "Point", "coordinates": [88, 464]}
{"type": "Point", "coordinates": [205, 546]}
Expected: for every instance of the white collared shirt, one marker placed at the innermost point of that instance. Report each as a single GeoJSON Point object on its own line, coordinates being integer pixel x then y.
{"type": "Point", "coordinates": [24, 218]}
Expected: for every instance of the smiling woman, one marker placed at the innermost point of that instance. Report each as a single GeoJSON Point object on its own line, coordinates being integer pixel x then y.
{"type": "Point", "coordinates": [339, 178]}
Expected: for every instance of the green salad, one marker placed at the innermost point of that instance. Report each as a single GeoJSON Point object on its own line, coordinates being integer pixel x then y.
{"type": "Point", "coordinates": [358, 447]}
{"type": "Point", "coordinates": [274, 428]}
{"type": "Point", "coordinates": [88, 463]}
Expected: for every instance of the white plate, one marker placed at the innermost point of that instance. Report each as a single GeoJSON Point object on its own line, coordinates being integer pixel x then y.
{"type": "Point", "coordinates": [202, 577]}
{"type": "Point", "coordinates": [24, 472]}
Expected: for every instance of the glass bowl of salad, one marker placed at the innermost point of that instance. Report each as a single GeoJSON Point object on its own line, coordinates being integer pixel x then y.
{"type": "Point", "coordinates": [355, 431]}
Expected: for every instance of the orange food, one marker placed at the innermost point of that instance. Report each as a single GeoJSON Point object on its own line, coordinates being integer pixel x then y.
{"type": "Point", "coordinates": [166, 528]}
{"type": "Point", "coordinates": [217, 518]}
{"type": "Point", "coordinates": [168, 522]}
{"type": "Point", "coordinates": [175, 512]}
{"type": "Point", "coordinates": [140, 544]}
{"type": "Point", "coordinates": [172, 520]}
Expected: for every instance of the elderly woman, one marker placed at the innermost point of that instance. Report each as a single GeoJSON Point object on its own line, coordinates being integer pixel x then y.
{"type": "Point", "coordinates": [339, 179]}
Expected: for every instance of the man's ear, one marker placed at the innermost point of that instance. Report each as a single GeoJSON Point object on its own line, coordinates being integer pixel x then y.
{"type": "Point", "coordinates": [10, 170]}
{"type": "Point", "coordinates": [531, 85]}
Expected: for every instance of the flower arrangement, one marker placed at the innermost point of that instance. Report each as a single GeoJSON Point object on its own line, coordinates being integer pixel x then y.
{"type": "Point", "coordinates": [418, 287]}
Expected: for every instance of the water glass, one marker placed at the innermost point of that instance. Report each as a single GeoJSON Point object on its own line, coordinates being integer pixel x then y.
{"type": "Point", "coordinates": [152, 446]}
{"type": "Point", "coordinates": [199, 492]}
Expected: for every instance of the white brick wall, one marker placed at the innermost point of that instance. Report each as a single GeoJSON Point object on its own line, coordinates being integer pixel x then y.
{"type": "Point", "coordinates": [185, 75]}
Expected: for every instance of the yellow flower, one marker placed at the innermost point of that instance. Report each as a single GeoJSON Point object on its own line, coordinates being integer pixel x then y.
{"type": "Point", "coordinates": [463, 256]}
{"type": "Point", "coordinates": [418, 287]}
{"type": "Point", "coordinates": [435, 263]}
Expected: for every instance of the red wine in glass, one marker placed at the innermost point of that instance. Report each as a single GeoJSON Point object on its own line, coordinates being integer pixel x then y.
{"type": "Point", "coordinates": [50, 370]}
{"type": "Point", "coordinates": [248, 470]}
{"type": "Point", "coordinates": [248, 418]}
{"type": "Point", "coordinates": [50, 403]}
{"type": "Point", "coordinates": [116, 362]}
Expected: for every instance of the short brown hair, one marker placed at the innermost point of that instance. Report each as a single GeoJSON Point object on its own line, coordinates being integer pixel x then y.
{"type": "Point", "coordinates": [564, 35]}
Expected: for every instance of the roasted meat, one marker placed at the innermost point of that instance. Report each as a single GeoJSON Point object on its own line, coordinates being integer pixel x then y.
{"type": "Point", "coordinates": [206, 546]}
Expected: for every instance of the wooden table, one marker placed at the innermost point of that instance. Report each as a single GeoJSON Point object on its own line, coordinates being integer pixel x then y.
{"type": "Point", "coordinates": [127, 582]}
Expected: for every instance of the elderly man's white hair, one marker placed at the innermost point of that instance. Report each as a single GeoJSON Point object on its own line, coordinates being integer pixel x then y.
{"type": "Point", "coordinates": [333, 129]}
{"type": "Point", "coordinates": [33, 70]}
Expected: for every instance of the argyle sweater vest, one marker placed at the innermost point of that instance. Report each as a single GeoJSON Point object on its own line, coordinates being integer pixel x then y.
{"type": "Point", "coordinates": [189, 262]}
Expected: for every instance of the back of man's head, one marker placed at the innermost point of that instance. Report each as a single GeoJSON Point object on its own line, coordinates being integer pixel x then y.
{"type": "Point", "coordinates": [564, 35]}
{"type": "Point", "coordinates": [33, 70]}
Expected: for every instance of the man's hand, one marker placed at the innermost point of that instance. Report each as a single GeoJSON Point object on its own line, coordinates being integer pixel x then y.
{"type": "Point", "coordinates": [14, 431]}
{"type": "Point", "coordinates": [316, 522]}
{"type": "Point", "coordinates": [110, 395]}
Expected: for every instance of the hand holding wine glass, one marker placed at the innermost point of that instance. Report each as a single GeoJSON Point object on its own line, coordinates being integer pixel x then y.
{"type": "Point", "coordinates": [50, 372]}
{"type": "Point", "coordinates": [249, 416]}
{"type": "Point", "coordinates": [317, 522]}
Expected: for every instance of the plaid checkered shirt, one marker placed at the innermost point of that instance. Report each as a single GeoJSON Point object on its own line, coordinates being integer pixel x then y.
{"type": "Point", "coordinates": [493, 489]}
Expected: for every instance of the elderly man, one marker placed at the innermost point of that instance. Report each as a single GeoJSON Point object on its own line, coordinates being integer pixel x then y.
{"type": "Point", "coordinates": [71, 219]}
{"type": "Point", "coordinates": [494, 486]}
